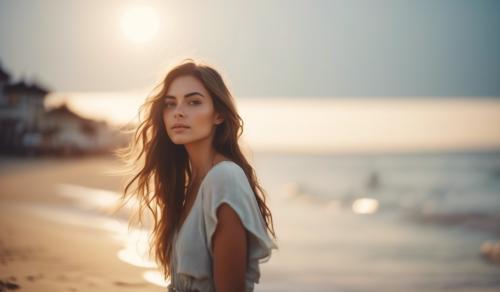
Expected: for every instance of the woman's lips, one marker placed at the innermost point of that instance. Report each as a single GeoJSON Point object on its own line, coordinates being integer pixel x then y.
{"type": "Point", "coordinates": [178, 129]}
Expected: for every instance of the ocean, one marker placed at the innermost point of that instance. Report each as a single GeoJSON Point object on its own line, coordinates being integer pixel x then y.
{"type": "Point", "coordinates": [391, 222]}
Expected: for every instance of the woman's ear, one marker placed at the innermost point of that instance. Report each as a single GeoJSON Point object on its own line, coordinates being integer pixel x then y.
{"type": "Point", "coordinates": [219, 119]}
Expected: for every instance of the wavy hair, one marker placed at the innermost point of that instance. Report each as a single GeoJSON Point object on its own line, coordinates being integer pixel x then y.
{"type": "Point", "coordinates": [160, 169]}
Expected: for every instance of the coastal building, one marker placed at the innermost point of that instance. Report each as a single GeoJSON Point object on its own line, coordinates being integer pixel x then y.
{"type": "Point", "coordinates": [68, 132]}
{"type": "Point", "coordinates": [21, 110]}
{"type": "Point", "coordinates": [26, 126]}
{"type": "Point", "coordinates": [4, 80]}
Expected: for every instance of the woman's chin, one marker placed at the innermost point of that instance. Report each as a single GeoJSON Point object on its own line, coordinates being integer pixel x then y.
{"type": "Point", "coordinates": [187, 139]}
{"type": "Point", "coordinates": [179, 142]}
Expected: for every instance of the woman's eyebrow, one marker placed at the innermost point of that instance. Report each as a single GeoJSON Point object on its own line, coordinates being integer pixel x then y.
{"type": "Point", "coordinates": [186, 95]}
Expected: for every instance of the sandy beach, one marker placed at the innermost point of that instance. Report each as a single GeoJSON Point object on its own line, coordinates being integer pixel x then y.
{"type": "Point", "coordinates": [37, 254]}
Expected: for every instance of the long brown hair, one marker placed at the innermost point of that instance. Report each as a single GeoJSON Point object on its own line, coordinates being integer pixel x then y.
{"type": "Point", "coordinates": [164, 171]}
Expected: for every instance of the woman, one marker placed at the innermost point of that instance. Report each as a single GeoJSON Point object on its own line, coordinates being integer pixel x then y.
{"type": "Point", "coordinates": [211, 223]}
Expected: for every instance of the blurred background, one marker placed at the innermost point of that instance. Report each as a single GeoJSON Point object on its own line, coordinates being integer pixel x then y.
{"type": "Point", "coordinates": [374, 127]}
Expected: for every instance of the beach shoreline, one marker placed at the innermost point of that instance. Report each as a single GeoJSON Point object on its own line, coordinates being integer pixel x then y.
{"type": "Point", "coordinates": [40, 254]}
{"type": "Point", "coordinates": [44, 255]}
{"type": "Point", "coordinates": [58, 238]}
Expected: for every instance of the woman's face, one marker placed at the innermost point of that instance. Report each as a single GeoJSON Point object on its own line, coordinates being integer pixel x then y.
{"type": "Point", "coordinates": [188, 104]}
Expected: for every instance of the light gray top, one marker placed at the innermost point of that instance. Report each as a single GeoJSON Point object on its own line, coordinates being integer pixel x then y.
{"type": "Point", "coordinates": [225, 182]}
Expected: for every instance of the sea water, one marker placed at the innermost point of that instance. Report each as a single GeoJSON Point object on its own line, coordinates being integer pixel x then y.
{"type": "Point", "coordinates": [421, 225]}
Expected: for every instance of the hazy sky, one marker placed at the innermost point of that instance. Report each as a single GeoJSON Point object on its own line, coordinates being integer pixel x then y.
{"type": "Point", "coordinates": [264, 48]}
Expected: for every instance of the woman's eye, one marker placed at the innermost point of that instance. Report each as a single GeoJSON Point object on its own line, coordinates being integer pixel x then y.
{"type": "Point", "coordinates": [172, 104]}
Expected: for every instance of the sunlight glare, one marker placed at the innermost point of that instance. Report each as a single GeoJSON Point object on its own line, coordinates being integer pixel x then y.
{"type": "Point", "coordinates": [155, 277]}
{"type": "Point", "coordinates": [365, 206]}
{"type": "Point", "coordinates": [140, 23]}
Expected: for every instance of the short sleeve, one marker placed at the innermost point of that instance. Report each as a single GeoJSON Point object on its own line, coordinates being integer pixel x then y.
{"type": "Point", "coordinates": [230, 185]}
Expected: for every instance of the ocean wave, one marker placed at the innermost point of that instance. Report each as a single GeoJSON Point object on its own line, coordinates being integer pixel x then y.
{"type": "Point", "coordinates": [487, 222]}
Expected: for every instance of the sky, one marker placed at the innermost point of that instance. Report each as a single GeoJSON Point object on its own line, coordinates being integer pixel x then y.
{"type": "Point", "coordinates": [263, 48]}
{"type": "Point", "coordinates": [307, 76]}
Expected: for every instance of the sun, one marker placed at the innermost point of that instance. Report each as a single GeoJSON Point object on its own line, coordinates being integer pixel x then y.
{"type": "Point", "coordinates": [140, 23]}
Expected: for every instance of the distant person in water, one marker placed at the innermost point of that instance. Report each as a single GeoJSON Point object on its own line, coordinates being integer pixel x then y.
{"type": "Point", "coordinates": [212, 227]}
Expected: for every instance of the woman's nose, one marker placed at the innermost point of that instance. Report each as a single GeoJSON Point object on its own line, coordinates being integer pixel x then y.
{"type": "Point", "coordinates": [178, 112]}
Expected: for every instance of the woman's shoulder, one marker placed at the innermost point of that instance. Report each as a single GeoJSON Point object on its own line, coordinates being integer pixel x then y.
{"type": "Point", "coordinates": [226, 177]}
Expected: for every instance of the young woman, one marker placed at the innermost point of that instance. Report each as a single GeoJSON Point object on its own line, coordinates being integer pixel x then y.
{"type": "Point", "coordinates": [211, 223]}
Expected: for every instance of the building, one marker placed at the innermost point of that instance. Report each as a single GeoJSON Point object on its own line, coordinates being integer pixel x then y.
{"type": "Point", "coordinates": [67, 132]}
{"type": "Point", "coordinates": [26, 126]}
{"type": "Point", "coordinates": [21, 110]}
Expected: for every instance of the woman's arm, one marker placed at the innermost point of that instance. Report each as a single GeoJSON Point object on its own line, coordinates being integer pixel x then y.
{"type": "Point", "coordinates": [229, 244]}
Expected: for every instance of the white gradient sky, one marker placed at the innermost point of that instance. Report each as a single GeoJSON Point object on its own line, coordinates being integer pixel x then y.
{"type": "Point", "coordinates": [331, 75]}
{"type": "Point", "coordinates": [264, 48]}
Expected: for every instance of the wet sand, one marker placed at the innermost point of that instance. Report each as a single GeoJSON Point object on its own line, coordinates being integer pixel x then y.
{"type": "Point", "coordinates": [37, 254]}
